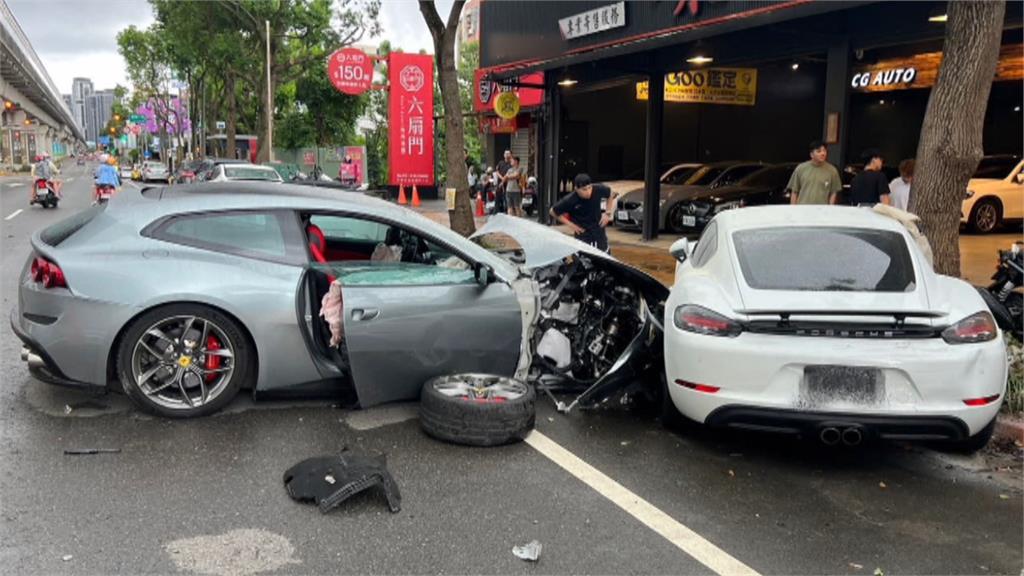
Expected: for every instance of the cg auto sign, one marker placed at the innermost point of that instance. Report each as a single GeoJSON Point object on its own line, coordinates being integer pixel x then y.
{"type": "Point", "coordinates": [350, 71]}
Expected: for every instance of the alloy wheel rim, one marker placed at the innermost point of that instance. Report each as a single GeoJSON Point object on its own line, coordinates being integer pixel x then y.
{"type": "Point", "coordinates": [481, 388]}
{"type": "Point", "coordinates": [986, 217]}
{"type": "Point", "coordinates": [183, 362]}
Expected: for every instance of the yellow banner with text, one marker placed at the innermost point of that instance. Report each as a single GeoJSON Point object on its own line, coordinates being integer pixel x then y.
{"type": "Point", "coordinates": [735, 86]}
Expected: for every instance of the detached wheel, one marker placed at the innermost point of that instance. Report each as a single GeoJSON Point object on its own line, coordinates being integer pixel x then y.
{"type": "Point", "coordinates": [183, 360]}
{"type": "Point", "coordinates": [985, 216]}
{"type": "Point", "coordinates": [477, 409]}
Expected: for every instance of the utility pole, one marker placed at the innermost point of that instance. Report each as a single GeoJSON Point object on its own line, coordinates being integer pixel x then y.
{"type": "Point", "coordinates": [270, 103]}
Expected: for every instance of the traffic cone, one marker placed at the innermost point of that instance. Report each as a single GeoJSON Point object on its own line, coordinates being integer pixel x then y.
{"type": "Point", "coordinates": [401, 195]}
{"type": "Point", "coordinates": [415, 196]}
{"type": "Point", "coordinates": [480, 204]}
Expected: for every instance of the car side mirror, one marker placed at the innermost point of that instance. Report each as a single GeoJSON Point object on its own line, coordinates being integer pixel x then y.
{"type": "Point", "coordinates": [680, 250]}
{"type": "Point", "coordinates": [484, 275]}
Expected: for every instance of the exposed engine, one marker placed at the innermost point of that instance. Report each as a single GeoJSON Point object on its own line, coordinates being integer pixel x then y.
{"type": "Point", "coordinates": [588, 317]}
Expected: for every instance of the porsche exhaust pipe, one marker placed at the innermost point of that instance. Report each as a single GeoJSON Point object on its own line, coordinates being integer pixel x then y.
{"type": "Point", "coordinates": [852, 436]}
{"type": "Point", "coordinates": [830, 436]}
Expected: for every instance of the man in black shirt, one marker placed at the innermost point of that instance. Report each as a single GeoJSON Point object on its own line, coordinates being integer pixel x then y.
{"type": "Point", "coordinates": [870, 186]}
{"type": "Point", "coordinates": [582, 211]}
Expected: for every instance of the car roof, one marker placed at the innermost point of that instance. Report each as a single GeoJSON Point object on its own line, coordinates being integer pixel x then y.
{"type": "Point", "coordinates": [787, 216]}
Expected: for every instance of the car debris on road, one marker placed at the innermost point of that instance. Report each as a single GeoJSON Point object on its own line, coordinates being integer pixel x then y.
{"type": "Point", "coordinates": [330, 480]}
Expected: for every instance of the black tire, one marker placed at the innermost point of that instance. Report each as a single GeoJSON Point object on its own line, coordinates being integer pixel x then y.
{"type": "Point", "coordinates": [674, 219]}
{"type": "Point", "coordinates": [479, 420]}
{"type": "Point", "coordinates": [974, 443]}
{"type": "Point", "coordinates": [242, 362]}
{"type": "Point", "coordinates": [670, 416]}
{"type": "Point", "coordinates": [986, 216]}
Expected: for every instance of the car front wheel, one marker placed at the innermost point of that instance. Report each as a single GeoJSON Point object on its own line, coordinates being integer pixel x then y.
{"type": "Point", "coordinates": [674, 219]}
{"type": "Point", "coordinates": [183, 360]}
{"type": "Point", "coordinates": [985, 216]}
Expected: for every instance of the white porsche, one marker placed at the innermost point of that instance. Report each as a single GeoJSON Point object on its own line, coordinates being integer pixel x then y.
{"type": "Point", "coordinates": [828, 322]}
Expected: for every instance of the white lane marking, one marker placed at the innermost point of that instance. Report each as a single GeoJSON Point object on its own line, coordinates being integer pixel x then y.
{"type": "Point", "coordinates": [15, 213]}
{"type": "Point", "coordinates": [69, 179]}
{"type": "Point", "coordinates": [682, 537]}
{"type": "Point", "coordinates": [13, 184]}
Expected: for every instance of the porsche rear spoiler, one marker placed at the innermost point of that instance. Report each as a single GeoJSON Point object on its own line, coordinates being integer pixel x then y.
{"type": "Point", "coordinates": [898, 328]}
{"type": "Point", "coordinates": [898, 314]}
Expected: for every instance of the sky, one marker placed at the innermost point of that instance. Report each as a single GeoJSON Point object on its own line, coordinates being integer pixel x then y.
{"type": "Point", "coordinates": [78, 38]}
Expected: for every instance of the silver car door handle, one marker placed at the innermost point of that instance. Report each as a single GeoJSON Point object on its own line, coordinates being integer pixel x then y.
{"type": "Point", "coordinates": [364, 314]}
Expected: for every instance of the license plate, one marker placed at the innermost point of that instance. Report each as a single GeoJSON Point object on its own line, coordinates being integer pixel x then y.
{"type": "Point", "coordinates": [528, 201]}
{"type": "Point", "coordinates": [689, 220]}
{"type": "Point", "coordinates": [831, 385]}
{"type": "Point", "coordinates": [622, 215]}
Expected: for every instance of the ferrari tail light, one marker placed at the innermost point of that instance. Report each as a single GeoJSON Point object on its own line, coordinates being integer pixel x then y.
{"type": "Point", "coordinates": [700, 320]}
{"type": "Point", "coordinates": [979, 327]}
{"type": "Point", "coordinates": [47, 273]}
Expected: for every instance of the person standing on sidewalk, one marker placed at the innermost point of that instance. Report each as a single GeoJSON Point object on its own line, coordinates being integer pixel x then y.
{"type": "Point", "coordinates": [513, 188]}
{"type": "Point", "coordinates": [815, 181]}
{"type": "Point", "coordinates": [500, 200]}
{"type": "Point", "coordinates": [869, 186]}
{"type": "Point", "coordinates": [899, 188]}
{"type": "Point", "coordinates": [582, 211]}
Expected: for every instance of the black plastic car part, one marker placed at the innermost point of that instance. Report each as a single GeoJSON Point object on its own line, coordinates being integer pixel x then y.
{"type": "Point", "coordinates": [330, 480]}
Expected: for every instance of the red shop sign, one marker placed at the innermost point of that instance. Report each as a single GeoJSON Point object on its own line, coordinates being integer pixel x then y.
{"type": "Point", "coordinates": [485, 92]}
{"type": "Point", "coordinates": [350, 71]}
{"type": "Point", "coordinates": [411, 119]}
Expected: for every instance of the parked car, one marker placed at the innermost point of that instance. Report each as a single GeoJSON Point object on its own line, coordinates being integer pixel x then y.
{"type": "Point", "coordinates": [238, 172]}
{"type": "Point", "coordinates": [205, 169]}
{"type": "Point", "coordinates": [828, 322]}
{"type": "Point", "coordinates": [630, 210]}
{"type": "Point", "coordinates": [418, 300]}
{"type": "Point", "coordinates": [125, 172]}
{"type": "Point", "coordinates": [988, 203]}
{"type": "Point", "coordinates": [765, 186]}
{"type": "Point", "coordinates": [153, 170]}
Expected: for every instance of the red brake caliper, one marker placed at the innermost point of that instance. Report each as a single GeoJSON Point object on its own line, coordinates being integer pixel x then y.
{"type": "Point", "coordinates": [212, 362]}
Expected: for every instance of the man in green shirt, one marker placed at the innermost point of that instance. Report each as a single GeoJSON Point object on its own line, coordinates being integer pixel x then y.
{"type": "Point", "coordinates": [815, 181]}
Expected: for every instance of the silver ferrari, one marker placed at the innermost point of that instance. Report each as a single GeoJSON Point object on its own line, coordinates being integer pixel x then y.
{"type": "Point", "coordinates": [182, 296]}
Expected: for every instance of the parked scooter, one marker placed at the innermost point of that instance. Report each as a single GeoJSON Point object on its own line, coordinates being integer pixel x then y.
{"type": "Point", "coordinates": [530, 196]}
{"type": "Point", "coordinates": [1006, 304]}
{"type": "Point", "coordinates": [46, 194]}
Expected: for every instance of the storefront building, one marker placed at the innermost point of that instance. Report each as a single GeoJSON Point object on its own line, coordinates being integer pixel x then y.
{"type": "Point", "coordinates": [632, 87]}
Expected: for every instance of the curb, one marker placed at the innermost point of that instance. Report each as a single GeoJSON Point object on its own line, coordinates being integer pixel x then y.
{"type": "Point", "coordinates": [1010, 429]}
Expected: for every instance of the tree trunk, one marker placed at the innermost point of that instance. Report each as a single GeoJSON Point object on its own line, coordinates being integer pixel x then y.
{"type": "Point", "coordinates": [951, 135]}
{"type": "Point", "coordinates": [461, 218]}
{"type": "Point", "coordinates": [232, 121]}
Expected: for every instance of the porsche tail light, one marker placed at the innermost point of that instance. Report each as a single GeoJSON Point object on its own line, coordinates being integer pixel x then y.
{"type": "Point", "coordinates": [979, 327]}
{"type": "Point", "coordinates": [47, 273]}
{"type": "Point", "coordinates": [700, 320]}
{"type": "Point", "coordinates": [698, 387]}
{"type": "Point", "coordinates": [981, 401]}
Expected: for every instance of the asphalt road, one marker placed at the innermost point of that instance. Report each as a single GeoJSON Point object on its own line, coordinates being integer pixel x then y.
{"type": "Point", "coordinates": [206, 496]}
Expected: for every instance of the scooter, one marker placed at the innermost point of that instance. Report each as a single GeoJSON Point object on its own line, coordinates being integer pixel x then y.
{"type": "Point", "coordinates": [1006, 304]}
{"type": "Point", "coordinates": [103, 193]}
{"type": "Point", "coordinates": [529, 198]}
{"type": "Point", "coordinates": [46, 195]}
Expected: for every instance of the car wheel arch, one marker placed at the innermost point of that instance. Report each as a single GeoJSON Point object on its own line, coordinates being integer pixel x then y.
{"type": "Point", "coordinates": [112, 375]}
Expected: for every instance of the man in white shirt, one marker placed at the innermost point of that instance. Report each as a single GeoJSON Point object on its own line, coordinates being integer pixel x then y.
{"type": "Point", "coordinates": [899, 188]}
